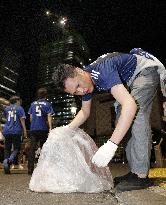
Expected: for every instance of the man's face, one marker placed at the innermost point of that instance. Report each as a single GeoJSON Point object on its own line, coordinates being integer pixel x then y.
{"type": "Point", "coordinates": [81, 84]}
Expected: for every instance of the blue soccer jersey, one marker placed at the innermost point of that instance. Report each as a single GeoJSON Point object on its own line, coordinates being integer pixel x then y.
{"type": "Point", "coordinates": [13, 113]}
{"type": "Point", "coordinates": [39, 111]}
{"type": "Point", "coordinates": [107, 71]}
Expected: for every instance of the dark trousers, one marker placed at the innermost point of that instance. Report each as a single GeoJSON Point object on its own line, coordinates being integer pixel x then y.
{"type": "Point", "coordinates": [10, 140]}
{"type": "Point", "coordinates": [35, 138]}
{"type": "Point", "coordinates": [1, 152]}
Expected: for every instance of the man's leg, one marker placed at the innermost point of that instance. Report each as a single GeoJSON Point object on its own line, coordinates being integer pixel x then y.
{"type": "Point", "coordinates": [7, 151]}
{"type": "Point", "coordinates": [138, 149]}
{"type": "Point", "coordinates": [1, 152]}
{"type": "Point", "coordinates": [31, 154]}
{"type": "Point", "coordinates": [16, 148]}
{"type": "Point", "coordinates": [43, 137]}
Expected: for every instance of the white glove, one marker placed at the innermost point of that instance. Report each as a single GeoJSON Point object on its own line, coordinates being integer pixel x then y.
{"type": "Point", "coordinates": [104, 154]}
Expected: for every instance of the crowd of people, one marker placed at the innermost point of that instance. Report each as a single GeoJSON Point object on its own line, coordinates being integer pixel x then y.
{"type": "Point", "coordinates": [69, 160]}
{"type": "Point", "coordinates": [14, 131]}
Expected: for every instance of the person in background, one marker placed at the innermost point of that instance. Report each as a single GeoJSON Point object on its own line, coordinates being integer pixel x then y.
{"type": "Point", "coordinates": [3, 103]}
{"type": "Point", "coordinates": [1, 147]}
{"type": "Point", "coordinates": [132, 79]}
{"type": "Point", "coordinates": [12, 131]}
{"type": "Point", "coordinates": [41, 113]}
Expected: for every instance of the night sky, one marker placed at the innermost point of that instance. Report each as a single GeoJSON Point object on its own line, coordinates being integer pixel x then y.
{"type": "Point", "coordinates": [118, 25]}
{"type": "Point", "coordinates": [106, 25]}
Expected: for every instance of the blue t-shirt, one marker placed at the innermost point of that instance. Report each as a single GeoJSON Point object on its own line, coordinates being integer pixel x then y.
{"type": "Point", "coordinates": [39, 111]}
{"type": "Point", "coordinates": [107, 71]}
{"type": "Point", "coordinates": [13, 113]}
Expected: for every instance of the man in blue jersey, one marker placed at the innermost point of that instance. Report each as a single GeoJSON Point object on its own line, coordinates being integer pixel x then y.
{"type": "Point", "coordinates": [13, 130]}
{"type": "Point", "coordinates": [113, 72]}
{"type": "Point", "coordinates": [41, 113]}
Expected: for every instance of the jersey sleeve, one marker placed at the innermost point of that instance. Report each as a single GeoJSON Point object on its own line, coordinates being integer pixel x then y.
{"type": "Point", "coordinates": [30, 110]}
{"type": "Point", "coordinates": [109, 75]}
{"type": "Point", "coordinates": [87, 97]}
{"type": "Point", "coordinates": [49, 109]}
{"type": "Point", "coordinates": [21, 112]}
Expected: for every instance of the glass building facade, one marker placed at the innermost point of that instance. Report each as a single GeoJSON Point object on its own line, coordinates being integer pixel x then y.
{"type": "Point", "coordinates": [9, 67]}
{"type": "Point", "coordinates": [70, 49]}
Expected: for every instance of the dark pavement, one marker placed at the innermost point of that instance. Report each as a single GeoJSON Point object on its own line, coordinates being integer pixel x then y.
{"type": "Point", "coordinates": [14, 191]}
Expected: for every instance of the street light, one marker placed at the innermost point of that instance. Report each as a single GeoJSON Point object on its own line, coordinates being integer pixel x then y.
{"type": "Point", "coordinates": [48, 13]}
{"type": "Point", "coordinates": [63, 21]}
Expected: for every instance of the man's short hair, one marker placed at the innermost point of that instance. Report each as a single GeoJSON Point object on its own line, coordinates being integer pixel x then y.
{"type": "Point", "coordinates": [61, 73]}
{"type": "Point", "coordinates": [14, 99]}
{"type": "Point", "coordinates": [42, 93]}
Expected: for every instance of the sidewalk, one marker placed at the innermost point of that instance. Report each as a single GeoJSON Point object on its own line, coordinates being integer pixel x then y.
{"type": "Point", "coordinates": [155, 195]}
{"type": "Point", "coordinates": [14, 191]}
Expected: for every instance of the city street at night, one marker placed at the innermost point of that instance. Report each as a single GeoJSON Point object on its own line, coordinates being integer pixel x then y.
{"type": "Point", "coordinates": [14, 191]}
{"type": "Point", "coordinates": [82, 102]}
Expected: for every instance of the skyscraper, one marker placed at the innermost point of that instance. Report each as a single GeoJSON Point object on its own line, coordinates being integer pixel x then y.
{"type": "Point", "coordinates": [72, 49]}
{"type": "Point", "coordinates": [9, 65]}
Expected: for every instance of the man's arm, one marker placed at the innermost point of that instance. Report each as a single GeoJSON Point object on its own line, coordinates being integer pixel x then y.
{"type": "Point", "coordinates": [30, 117]}
{"type": "Point", "coordinates": [107, 151]}
{"type": "Point", "coordinates": [23, 126]}
{"type": "Point", "coordinates": [49, 117]}
{"type": "Point", "coordinates": [1, 135]}
{"type": "Point", "coordinates": [0, 127]}
{"type": "Point", "coordinates": [82, 115]}
{"type": "Point", "coordinates": [128, 112]}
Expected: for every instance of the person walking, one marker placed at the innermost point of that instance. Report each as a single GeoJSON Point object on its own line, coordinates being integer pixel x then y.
{"type": "Point", "coordinates": [12, 131]}
{"type": "Point", "coordinates": [41, 113]}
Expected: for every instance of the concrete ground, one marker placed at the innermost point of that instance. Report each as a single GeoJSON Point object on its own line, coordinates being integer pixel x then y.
{"type": "Point", "coordinates": [14, 191]}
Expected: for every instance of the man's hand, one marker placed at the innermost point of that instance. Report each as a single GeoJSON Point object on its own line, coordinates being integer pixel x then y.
{"type": "Point", "coordinates": [1, 136]}
{"type": "Point", "coordinates": [104, 154]}
{"type": "Point", "coordinates": [25, 134]}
